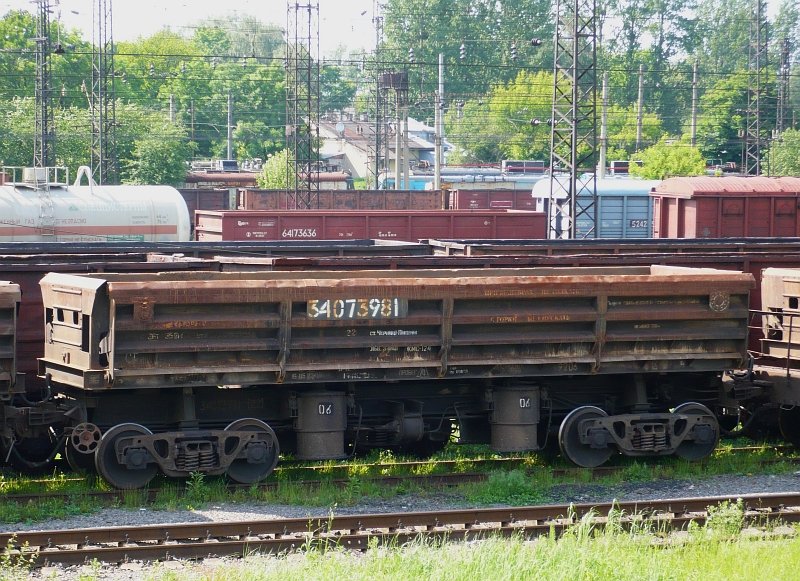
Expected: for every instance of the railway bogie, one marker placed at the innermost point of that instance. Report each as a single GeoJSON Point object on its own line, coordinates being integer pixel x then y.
{"type": "Point", "coordinates": [217, 372]}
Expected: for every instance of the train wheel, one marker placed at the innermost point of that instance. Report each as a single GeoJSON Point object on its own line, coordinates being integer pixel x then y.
{"type": "Point", "coordinates": [789, 424]}
{"type": "Point", "coordinates": [260, 459]}
{"type": "Point", "coordinates": [697, 448]}
{"type": "Point", "coordinates": [570, 442]}
{"type": "Point", "coordinates": [80, 447]}
{"type": "Point", "coordinates": [109, 466]}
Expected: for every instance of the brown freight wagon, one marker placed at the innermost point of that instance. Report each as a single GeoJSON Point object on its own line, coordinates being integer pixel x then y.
{"type": "Point", "coordinates": [214, 372]}
{"type": "Point", "coordinates": [723, 207]}
{"type": "Point", "coordinates": [219, 199]}
{"type": "Point", "coordinates": [379, 225]}
{"type": "Point", "coordinates": [253, 199]}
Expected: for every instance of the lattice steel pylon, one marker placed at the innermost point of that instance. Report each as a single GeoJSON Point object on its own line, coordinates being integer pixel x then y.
{"type": "Point", "coordinates": [302, 104]}
{"type": "Point", "coordinates": [378, 104]}
{"type": "Point", "coordinates": [105, 167]}
{"type": "Point", "coordinates": [755, 139]}
{"type": "Point", "coordinates": [44, 141]}
{"type": "Point", "coordinates": [573, 137]}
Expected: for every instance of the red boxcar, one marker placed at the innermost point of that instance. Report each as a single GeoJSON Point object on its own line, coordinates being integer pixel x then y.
{"type": "Point", "coordinates": [725, 207]}
{"type": "Point", "coordinates": [499, 199]}
{"type": "Point", "coordinates": [253, 199]}
{"type": "Point", "coordinates": [385, 225]}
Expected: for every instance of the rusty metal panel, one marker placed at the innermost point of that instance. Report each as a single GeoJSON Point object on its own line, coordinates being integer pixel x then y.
{"type": "Point", "coordinates": [254, 199]}
{"type": "Point", "coordinates": [312, 327]}
{"type": "Point", "coordinates": [731, 185]}
{"type": "Point", "coordinates": [203, 199]}
{"type": "Point", "coordinates": [526, 247]}
{"type": "Point", "coordinates": [27, 270]}
{"type": "Point", "coordinates": [9, 303]}
{"type": "Point", "coordinates": [348, 225]}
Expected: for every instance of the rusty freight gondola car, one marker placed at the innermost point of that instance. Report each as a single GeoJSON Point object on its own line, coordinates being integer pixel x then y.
{"type": "Point", "coordinates": [215, 372]}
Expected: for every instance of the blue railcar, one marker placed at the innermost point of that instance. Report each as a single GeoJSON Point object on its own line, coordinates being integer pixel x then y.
{"type": "Point", "coordinates": [624, 207]}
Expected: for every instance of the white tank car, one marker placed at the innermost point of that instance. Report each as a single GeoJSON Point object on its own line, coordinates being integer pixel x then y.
{"type": "Point", "coordinates": [43, 207]}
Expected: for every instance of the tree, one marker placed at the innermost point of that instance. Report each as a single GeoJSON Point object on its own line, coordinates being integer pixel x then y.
{"type": "Point", "coordinates": [147, 64]}
{"type": "Point", "coordinates": [723, 36]}
{"type": "Point", "coordinates": [159, 158]}
{"type": "Point", "coordinates": [622, 131]}
{"type": "Point", "coordinates": [274, 175]}
{"type": "Point", "coordinates": [508, 123]}
{"type": "Point", "coordinates": [783, 158]}
{"type": "Point", "coordinates": [669, 157]}
{"type": "Point", "coordinates": [17, 119]}
{"type": "Point", "coordinates": [486, 29]}
{"type": "Point", "coordinates": [722, 118]}
{"type": "Point", "coordinates": [151, 148]}
{"type": "Point", "coordinates": [335, 91]}
{"type": "Point", "coordinates": [240, 35]}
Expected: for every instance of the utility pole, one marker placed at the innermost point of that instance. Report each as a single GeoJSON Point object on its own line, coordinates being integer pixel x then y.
{"type": "Point", "coordinates": [439, 129]}
{"type": "Point", "coordinates": [783, 85]}
{"type": "Point", "coordinates": [694, 104]}
{"type": "Point", "coordinates": [640, 109]}
{"type": "Point", "coordinates": [601, 170]}
{"type": "Point", "coordinates": [399, 82]}
{"type": "Point", "coordinates": [398, 147]}
{"type": "Point", "coordinates": [406, 152]}
{"type": "Point", "coordinates": [230, 125]}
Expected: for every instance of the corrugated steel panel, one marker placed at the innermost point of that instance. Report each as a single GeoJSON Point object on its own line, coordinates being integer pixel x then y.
{"type": "Point", "coordinates": [254, 199]}
{"type": "Point", "coordinates": [709, 185]}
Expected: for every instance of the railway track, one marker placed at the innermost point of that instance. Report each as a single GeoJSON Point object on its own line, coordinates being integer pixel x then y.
{"type": "Point", "coordinates": [358, 532]}
{"type": "Point", "coordinates": [448, 479]}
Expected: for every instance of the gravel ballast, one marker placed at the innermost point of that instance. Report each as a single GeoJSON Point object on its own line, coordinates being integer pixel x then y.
{"type": "Point", "coordinates": [219, 512]}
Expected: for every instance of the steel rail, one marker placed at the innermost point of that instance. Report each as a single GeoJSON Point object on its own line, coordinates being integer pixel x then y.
{"type": "Point", "coordinates": [198, 540]}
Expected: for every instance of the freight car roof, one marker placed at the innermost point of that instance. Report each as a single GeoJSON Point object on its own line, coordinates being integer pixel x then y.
{"type": "Point", "coordinates": [389, 277]}
{"type": "Point", "coordinates": [722, 186]}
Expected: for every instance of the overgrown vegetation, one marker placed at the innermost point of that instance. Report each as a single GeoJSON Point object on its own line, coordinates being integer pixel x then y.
{"type": "Point", "coordinates": [523, 479]}
{"type": "Point", "coordinates": [16, 565]}
{"type": "Point", "coordinates": [584, 552]}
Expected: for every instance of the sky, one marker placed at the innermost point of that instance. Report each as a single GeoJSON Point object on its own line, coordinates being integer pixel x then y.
{"type": "Point", "coordinates": [341, 22]}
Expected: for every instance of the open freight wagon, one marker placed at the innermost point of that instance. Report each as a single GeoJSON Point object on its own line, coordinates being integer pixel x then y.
{"type": "Point", "coordinates": [217, 372]}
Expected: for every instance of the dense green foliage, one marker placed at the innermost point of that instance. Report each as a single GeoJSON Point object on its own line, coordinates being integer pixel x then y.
{"type": "Point", "coordinates": [172, 90]}
{"type": "Point", "coordinates": [274, 175]}
{"type": "Point", "coordinates": [668, 158]}
{"type": "Point", "coordinates": [784, 154]}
